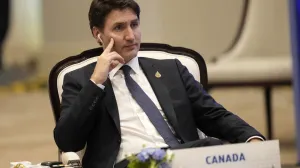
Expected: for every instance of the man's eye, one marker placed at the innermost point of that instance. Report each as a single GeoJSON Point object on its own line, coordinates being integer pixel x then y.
{"type": "Point", "coordinates": [134, 24]}
{"type": "Point", "coordinates": [119, 27]}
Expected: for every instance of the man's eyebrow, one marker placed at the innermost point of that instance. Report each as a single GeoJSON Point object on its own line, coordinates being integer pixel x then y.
{"type": "Point", "coordinates": [120, 23]}
{"type": "Point", "coordinates": [135, 20]}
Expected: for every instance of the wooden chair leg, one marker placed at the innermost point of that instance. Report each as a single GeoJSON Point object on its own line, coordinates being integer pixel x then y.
{"type": "Point", "coordinates": [268, 106]}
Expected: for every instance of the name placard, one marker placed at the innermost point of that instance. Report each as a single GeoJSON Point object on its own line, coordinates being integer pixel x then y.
{"type": "Point", "coordinates": [246, 155]}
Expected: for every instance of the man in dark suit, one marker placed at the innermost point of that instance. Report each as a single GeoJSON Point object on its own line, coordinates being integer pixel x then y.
{"type": "Point", "coordinates": [124, 101]}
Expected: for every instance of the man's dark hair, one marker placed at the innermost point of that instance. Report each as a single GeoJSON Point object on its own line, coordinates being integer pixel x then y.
{"type": "Point", "coordinates": [99, 9]}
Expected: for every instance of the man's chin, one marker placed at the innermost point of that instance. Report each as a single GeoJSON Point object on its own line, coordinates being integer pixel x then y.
{"type": "Point", "coordinates": [128, 56]}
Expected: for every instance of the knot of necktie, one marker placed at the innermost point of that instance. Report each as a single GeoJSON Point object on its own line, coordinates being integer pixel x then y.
{"type": "Point", "coordinates": [126, 70]}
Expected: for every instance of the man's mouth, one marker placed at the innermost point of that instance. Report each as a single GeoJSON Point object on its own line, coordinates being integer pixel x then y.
{"type": "Point", "coordinates": [131, 46]}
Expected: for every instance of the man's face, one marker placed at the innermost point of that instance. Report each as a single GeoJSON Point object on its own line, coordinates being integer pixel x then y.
{"type": "Point", "coordinates": [124, 27]}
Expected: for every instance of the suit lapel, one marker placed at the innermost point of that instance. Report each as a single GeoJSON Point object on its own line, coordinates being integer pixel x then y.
{"type": "Point", "coordinates": [155, 78]}
{"type": "Point", "coordinates": [111, 104]}
{"type": "Point", "coordinates": [109, 98]}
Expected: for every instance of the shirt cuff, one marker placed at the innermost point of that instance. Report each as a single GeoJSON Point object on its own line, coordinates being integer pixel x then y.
{"type": "Point", "coordinates": [255, 137]}
{"type": "Point", "coordinates": [99, 85]}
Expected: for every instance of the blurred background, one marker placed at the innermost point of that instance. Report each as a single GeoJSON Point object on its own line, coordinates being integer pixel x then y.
{"type": "Point", "coordinates": [246, 45]}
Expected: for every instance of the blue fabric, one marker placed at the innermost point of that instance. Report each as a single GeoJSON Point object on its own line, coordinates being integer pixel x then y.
{"type": "Point", "coordinates": [294, 9]}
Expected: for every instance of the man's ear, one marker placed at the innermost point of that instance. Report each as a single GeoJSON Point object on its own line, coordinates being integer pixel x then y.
{"type": "Point", "coordinates": [97, 35]}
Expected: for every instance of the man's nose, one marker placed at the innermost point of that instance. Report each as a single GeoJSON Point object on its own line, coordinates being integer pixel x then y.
{"type": "Point", "coordinates": [129, 34]}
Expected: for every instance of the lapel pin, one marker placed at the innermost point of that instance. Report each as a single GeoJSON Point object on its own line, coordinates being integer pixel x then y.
{"type": "Point", "coordinates": [157, 74]}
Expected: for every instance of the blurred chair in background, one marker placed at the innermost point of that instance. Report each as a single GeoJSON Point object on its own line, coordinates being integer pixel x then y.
{"type": "Point", "coordinates": [4, 24]}
{"type": "Point", "coordinates": [19, 29]}
{"type": "Point", "coordinates": [261, 56]}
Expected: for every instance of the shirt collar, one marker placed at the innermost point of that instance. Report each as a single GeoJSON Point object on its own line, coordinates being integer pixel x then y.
{"type": "Point", "coordinates": [133, 63]}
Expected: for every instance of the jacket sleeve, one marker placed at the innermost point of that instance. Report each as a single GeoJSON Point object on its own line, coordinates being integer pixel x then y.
{"type": "Point", "coordinates": [78, 114]}
{"type": "Point", "coordinates": [211, 117]}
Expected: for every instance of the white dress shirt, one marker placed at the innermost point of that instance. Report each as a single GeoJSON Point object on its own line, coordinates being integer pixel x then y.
{"type": "Point", "coordinates": [137, 130]}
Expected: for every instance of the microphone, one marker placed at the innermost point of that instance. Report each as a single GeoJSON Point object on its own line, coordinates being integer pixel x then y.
{"type": "Point", "coordinates": [71, 159]}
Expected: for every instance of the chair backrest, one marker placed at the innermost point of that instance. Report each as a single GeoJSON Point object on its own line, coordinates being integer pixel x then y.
{"type": "Point", "coordinates": [190, 58]}
{"type": "Point", "coordinates": [265, 33]}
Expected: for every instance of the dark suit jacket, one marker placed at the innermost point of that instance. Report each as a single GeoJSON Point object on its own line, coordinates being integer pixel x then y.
{"type": "Point", "coordinates": [90, 114]}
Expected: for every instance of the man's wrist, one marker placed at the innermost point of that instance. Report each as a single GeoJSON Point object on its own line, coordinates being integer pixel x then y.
{"type": "Point", "coordinates": [97, 81]}
{"type": "Point", "coordinates": [99, 85]}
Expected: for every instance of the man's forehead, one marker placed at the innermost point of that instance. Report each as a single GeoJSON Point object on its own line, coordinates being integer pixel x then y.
{"type": "Point", "coordinates": [121, 16]}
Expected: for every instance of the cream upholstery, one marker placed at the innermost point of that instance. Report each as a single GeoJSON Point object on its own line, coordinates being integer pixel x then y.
{"type": "Point", "coordinates": [251, 70]}
{"type": "Point", "coordinates": [189, 62]}
{"type": "Point", "coordinates": [262, 53]}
